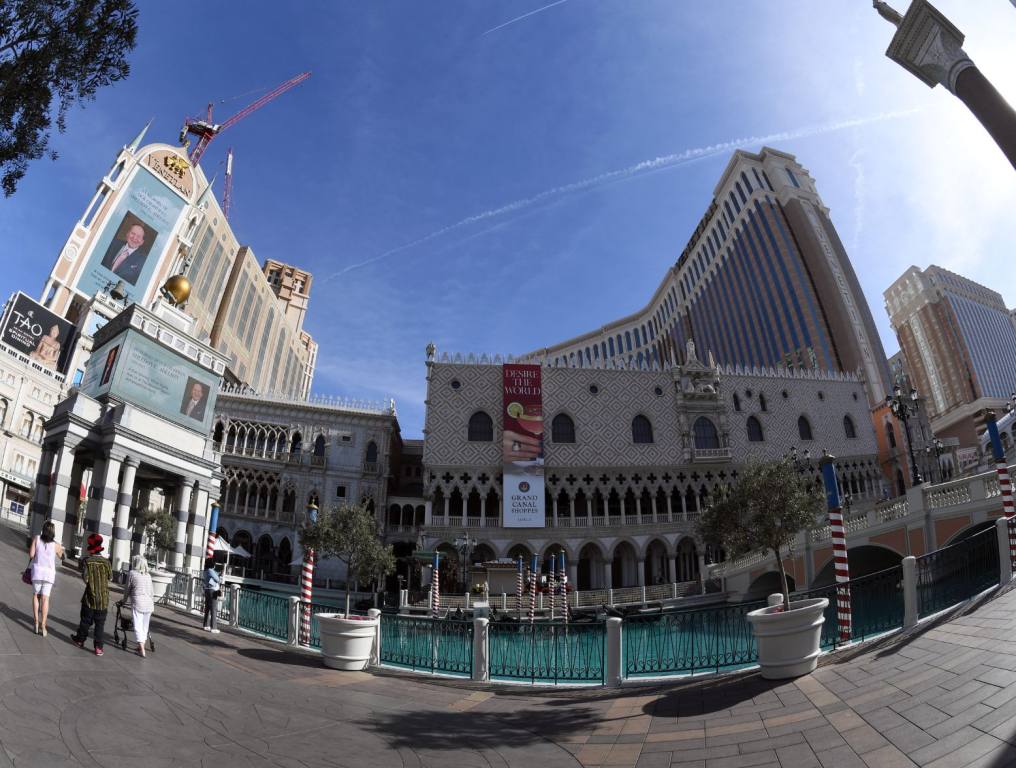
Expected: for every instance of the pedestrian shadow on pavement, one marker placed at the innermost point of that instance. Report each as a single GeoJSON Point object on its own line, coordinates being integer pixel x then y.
{"type": "Point", "coordinates": [291, 658]}
{"type": "Point", "coordinates": [23, 619]}
{"type": "Point", "coordinates": [707, 697]}
{"type": "Point", "coordinates": [417, 730]}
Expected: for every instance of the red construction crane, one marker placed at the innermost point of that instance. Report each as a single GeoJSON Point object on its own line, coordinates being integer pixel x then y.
{"type": "Point", "coordinates": [227, 190]}
{"type": "Point", "coordinates": [206, 130]}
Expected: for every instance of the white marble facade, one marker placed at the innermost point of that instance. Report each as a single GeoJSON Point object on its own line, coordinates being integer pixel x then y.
{"type": "Point", "coordinates": [279, 455]}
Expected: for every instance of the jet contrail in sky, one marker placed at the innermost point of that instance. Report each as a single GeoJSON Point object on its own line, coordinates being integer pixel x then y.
{"type": "Point", "coordinates": [526, 15]}
{"type": "Point", "coordinates": [646, 166]}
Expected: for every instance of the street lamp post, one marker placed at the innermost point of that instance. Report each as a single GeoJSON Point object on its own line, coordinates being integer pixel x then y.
{"type": "Point", "coordinates": [464, 545]}
{"type": "Point", "coordinates": [903, 407]}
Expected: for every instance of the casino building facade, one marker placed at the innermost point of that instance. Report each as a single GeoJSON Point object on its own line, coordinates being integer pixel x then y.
{"type": "Point", "coordinates": [763, 281]}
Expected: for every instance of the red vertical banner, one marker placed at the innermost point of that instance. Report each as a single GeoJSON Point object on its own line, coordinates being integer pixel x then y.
{"type": "Point", "coordinates": [522, 447]}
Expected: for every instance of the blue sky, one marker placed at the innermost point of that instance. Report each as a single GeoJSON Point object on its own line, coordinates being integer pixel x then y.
{"type": "Point", "coordinates": [424, 126]}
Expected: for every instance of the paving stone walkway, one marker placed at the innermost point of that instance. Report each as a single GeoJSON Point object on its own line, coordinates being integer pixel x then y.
{"type": "Point", "coordinates": [945, 696]}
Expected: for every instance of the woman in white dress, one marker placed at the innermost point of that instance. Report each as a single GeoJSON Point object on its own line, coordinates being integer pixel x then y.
{"type": "Point", "coordinates": [43, 553]}
{"type": "Point", "coordinates": [139, 591]}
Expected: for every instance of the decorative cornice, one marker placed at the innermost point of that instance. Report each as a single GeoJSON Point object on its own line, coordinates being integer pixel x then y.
{"type": "Point", "coordinates": [929, 46]}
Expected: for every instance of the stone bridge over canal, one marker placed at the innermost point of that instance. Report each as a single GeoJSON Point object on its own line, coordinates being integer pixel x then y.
{"type": "Point", "coordinates": [927, 518]}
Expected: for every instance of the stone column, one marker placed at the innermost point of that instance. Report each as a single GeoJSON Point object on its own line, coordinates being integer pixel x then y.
{"type": "Point", "coordinates": [684, 506]}
{"type": "Point", "coordinates": [483, 511]}
{"type": "Point", "coordinates": [608, 574]}
{"type": "Point", "coordinates": [702, 571]}
{"type": "Point", "coordinates": [73, 512]}
{"type": "Point", "coordinates": [638, 509]}
{"type": "Point", "coordinates": [571, 510]}
{"type": "Point", "coordinates": [197, 528]}
{"type": "Point", "coordinates": [640, 574]}
{"type": "Point", "coordinates": [670, 507]}
{"type": "Point", "coordinates": [589, 510]}
{"type": "Point", "coordinates": [573, 574]}
{"type": "Point", "coordinates": [62, 475]}
{"type": "Point", "coordinates": [138, 528]}
{"type": "Point", "coordinates": [653, 500]}
{"type": "Point", "coordinates": [121, 529]}
{"type": "Point", "coordinates": [181, 511]}
{"type": "Point", "coordinates": [102, 499]}
{"type": "Point", "coordinates": [447, 504]}
{"type": "Point", "coordinates": [40, 498]}
{"type": "Point", "coordinates": [554, 508]}
{"type": "Point", "coordinates": [673, 567]}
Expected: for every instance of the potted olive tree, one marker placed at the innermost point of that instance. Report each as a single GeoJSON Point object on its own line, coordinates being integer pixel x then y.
{"type": "Point", "coordinates": [160, 533]}
{"type": "Point", "coordinates": [348, 534]}
{"type": "Point", "coordinates": [766, 507]}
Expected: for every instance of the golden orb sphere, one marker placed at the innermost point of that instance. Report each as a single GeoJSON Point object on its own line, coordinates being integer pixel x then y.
{"type": "Point", "coordinates": [178, 287]}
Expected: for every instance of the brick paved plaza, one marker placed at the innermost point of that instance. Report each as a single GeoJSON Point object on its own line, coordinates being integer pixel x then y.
{"type": "Point", "coordinates": [942, 697]}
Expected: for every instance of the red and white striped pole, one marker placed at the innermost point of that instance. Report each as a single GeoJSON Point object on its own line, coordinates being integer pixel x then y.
{"type": "Point", "coordinates": [552, 585]}
{"type": "Point", "coordinates": [564, 586]}
{"type": "Point", "coordinates": [518, 587]}
{"type": "Point", "coordinates": [435, 587]}
{"type": "Point", "coordinates": [839, 537]}
{"type": "Point", "coordinates": [307, 583]}
{"type": "Point", "coordinates": [1004, 481]}
{"type": "Point", "coordinates": [534, 564]}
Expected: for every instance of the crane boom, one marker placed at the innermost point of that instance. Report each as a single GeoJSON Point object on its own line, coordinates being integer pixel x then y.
{"type": "Point", "coordinates": [206, 130]}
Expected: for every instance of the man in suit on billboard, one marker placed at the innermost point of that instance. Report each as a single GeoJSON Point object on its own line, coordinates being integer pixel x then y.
{"type": "Point", "coordinates": [126, 258]}
{"type": "Point", "coordinates": [195, 398]}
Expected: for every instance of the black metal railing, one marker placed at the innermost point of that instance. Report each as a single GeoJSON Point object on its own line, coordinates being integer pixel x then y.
{"type": "Point", "coordinates": [955, 573]}
{"type": "Point", "coordinates": [876, 605]}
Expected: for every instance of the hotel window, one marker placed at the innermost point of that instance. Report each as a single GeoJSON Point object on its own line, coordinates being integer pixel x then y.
{"type": "Point", "coordinates": [706, 437]}
{"type": "Point", "coordinates": [641, 430]}
{"type": "Point", "coordinates": [793, 178]}
{"type": "Point", "coordinates": [627, 339]}
{"type": "Point", "coordinates": [481, 428]}
{"type": "Point", "coordinates": [755, 430]}
{"type": "Point", "coordinates": [737, 402]}
{"type": "Point", "coordinates": [804, 428]}
{"type": "Point", "coordinates": [638, 342]}
{"type": "Point", "coordinates": [340, 491]}
{"type": "Point", "coordinates": [848, 428]}
{"type": "Point", "coordinates": [562, 429]}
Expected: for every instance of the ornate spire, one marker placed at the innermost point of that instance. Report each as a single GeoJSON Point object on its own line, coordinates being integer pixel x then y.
{"type": "Point", "coordinates": [887, 12]}
{"type": "Point", "coordinates": [208, 191]}
{"type": "Point", "coordinates": [133, 146]}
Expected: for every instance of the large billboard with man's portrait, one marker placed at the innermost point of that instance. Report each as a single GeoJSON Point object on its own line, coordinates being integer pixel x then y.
{"type": "Point", "coordinates": [134, 236]}
{"type": "Point", "coordinates": [522, 447]}
{"type": "Point", "coordinates": [140, 371]}
{"type": "Point", "coordinates": [33, 330]}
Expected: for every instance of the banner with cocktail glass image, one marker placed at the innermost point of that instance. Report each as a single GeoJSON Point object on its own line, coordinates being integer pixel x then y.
{"type": "Point", "coordinates": [522, 447]}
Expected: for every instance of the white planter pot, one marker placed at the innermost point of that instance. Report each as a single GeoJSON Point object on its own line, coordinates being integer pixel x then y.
{"type": "Point", "coordinates": [347, 643]}
{"type": "Point", "coordinates": [788, 641]}
{"type": "Point", "coordinates": [160, 582]}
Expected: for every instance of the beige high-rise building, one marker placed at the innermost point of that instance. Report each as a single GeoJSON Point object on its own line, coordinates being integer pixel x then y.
{"type": "Point", "coordinates": [153, 216]}
{"type": "Point", "coordinates": [959, 344]}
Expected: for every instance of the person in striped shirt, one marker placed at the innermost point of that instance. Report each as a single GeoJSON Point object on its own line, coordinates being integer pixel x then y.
{"type": "Point", "coordinates": [96, 573]}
